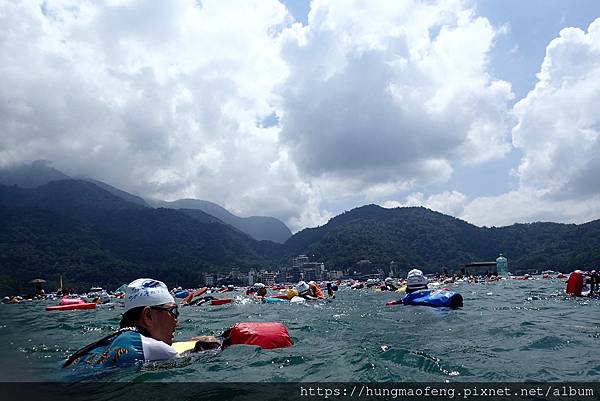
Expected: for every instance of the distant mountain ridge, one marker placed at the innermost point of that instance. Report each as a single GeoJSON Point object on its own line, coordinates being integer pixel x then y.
{"type": "Point", "coordinates": [87, 234]}
{"type": "Point", "coordinates": [258, 227]}
{"type": "Point", "coordinates": [416, 236]}
{"type": "Point", "coordinates": [92, 236]}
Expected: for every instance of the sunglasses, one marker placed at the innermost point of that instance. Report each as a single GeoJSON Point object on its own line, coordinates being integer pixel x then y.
{"type": "Point", "coordinates": [173, 310]}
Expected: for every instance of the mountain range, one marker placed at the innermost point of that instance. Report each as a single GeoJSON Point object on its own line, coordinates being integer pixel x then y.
{"type": "Point", "coordinates": [258, 227]}
{"type": "Point", "coordinates": [94, 234]}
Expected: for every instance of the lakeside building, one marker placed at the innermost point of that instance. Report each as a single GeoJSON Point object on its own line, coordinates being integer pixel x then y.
{"type": "Point", "coordinates": [304, 269]}
{"type": "Point", "coordinates": [267, 277]}
{"type": "Point", "coordinates": [480, 268]}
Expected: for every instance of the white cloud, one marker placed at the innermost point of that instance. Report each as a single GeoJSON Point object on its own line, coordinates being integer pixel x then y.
{"type": "Point", "coordinates": [558, 122]}
{"type": "Point", "coordinates": [161, 99]}
{"type": "Point", "coordinates": [391, 94]}
{"type": "Point", "coordinates": [447, 202]}
{"type": "Point", "coordinates": [373, 99]}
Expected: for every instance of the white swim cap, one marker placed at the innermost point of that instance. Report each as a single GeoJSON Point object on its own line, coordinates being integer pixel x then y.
{"type": "Point", "coordinates": [146, 292]}
{"type": "Point", "coordinates": [301, 287]}
{"type": "Point", "coordinates": [256, 286]}
{"type": "Point", "coordinates": [416, 278]}
{"type": "Point", "coordinates": [312, 283]}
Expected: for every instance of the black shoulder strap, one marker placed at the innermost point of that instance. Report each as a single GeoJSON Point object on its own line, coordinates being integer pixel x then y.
{"type": "Point", "coordinates": [102, 341]}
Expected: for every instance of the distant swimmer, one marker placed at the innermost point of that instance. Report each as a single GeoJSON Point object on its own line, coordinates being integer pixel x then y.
{"type": "Point", "coordinates": [146, 330]}
{"type": "Point", "coordinates": [315, 290]}
{"type": "Point", "coordinates": [330, 291]}
{"type": "Point", "coordinates": [416, 281]}
{"type": "Point", "coordinates": [304, 290]}
{"type": "Point", "coordinates": [259, 289]}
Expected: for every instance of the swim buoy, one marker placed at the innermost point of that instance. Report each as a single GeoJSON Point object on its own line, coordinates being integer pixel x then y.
{"type": "Point", "coordinates": [267, 335]}
{"type": "Point", "coordinates": [434, 298]}
{"type": "Point", "coordinates": [273, 300]}
{"type": "Point", "coordinates": [194, 294]}
{"type": "Point", "coordinates": [575, 283]}
{"type": "Point", "coordinates": [82, 305]}
{"type": "Point", "coordinates": [221, 301]}
{"type": "Point", "coordinates": [70, 301]}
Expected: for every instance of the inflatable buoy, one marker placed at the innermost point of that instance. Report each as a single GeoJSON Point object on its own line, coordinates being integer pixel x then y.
{"type": "Point", "coordinates": [273, 300]}
{"type": "Point", "coordinates": [434, 298]}
{"type": "Point", "coordinates": [267, 335]}
{"type": "Point", "coordinates": [221, 301]}
{"type": "Point", "coordinates": [70, 301]}
{"type": "Point", "coordinates": [194, 294]}
{"type": "Point", "coordinates": [81, 305]}
{"type": "Point", "coordinates": [183, 346]}
{"type": "Point", "coordinates": [297, 300]}
{"type": "Point", "coordinates": [575, 283]}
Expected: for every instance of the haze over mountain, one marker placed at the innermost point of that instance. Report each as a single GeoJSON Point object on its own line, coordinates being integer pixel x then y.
{"type": "Point", "coordinates": [258, 227]}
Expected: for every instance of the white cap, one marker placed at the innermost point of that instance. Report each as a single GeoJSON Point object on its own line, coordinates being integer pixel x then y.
{"type": "Point", "coordinates": [146, 292]}
{"type": "Point", "coordinates": [258, 285]}
{"type": "Point", "coordinates": [416, 278]}
{"type": "Point", "coordinates": [389, 280]}
{"type": "Point", "coordinates": [312, 282]}
{"type": "Point", "coordinates": [301, 287]}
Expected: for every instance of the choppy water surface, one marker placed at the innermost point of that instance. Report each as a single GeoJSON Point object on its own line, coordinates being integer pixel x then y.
{"type": "Point", "coordinates": [507, 331]}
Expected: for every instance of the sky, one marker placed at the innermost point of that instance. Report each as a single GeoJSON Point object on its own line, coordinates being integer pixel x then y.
{"type": "Point", "coordinates": [484, 110]}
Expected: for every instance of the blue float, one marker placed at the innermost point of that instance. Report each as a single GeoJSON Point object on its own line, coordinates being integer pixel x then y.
{"type": "Point", "coordinates": [434, 298]}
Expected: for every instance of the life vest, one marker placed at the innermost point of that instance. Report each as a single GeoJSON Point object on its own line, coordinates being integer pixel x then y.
{"type": "Point", "coordinates": [267, 335]}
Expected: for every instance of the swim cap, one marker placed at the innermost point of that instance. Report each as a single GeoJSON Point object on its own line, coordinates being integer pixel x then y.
{"type": "Point", "coordinates": [312, 283]}
{"type": "Point", "coordinates": [301, 287]}
{"type": "Point", "coordinates": [416, 279]}
{"type": "Point", "coordinates": [256, 286]}
{"type": "Point", "coordinates": [389, 280]}
{"type": "Point", "coordinates": [146, 292]}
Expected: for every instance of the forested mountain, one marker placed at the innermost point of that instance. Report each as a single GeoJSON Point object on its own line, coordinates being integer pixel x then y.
{"type": "Point", "coordinates": [416, 236]}
{"type": "Point", "coordinates": [258, 227]}
{"type": "Point", "coordinates": [90, 236]}
{"type": "Point", "coordinates": [77, 229]}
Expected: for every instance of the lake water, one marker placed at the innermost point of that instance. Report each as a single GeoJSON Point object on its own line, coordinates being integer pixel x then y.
{"type": "Point", "coordinates": [507, 331]}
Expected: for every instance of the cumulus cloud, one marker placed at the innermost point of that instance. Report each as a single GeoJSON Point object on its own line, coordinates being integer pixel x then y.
{"type": "Point", "coordinates": [558, 122]}
{"type": "Point", "coordinates": [235, 103]}
{"type": "Point", "coordinates": [558, 132]}
{"type": "Point", "coordinates": [161, 99]}
{"type": "Point", "coordinates": [448, 202]}
{"type": "Point", "coordinates": [391, 94]}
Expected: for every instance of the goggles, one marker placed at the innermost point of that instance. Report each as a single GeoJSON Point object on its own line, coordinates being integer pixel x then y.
{"type": "Point", "coordinates": [172, 310]}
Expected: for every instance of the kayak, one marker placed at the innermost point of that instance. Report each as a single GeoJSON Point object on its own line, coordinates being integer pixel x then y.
{"type": "Point", "coordinates": [82, 305]}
